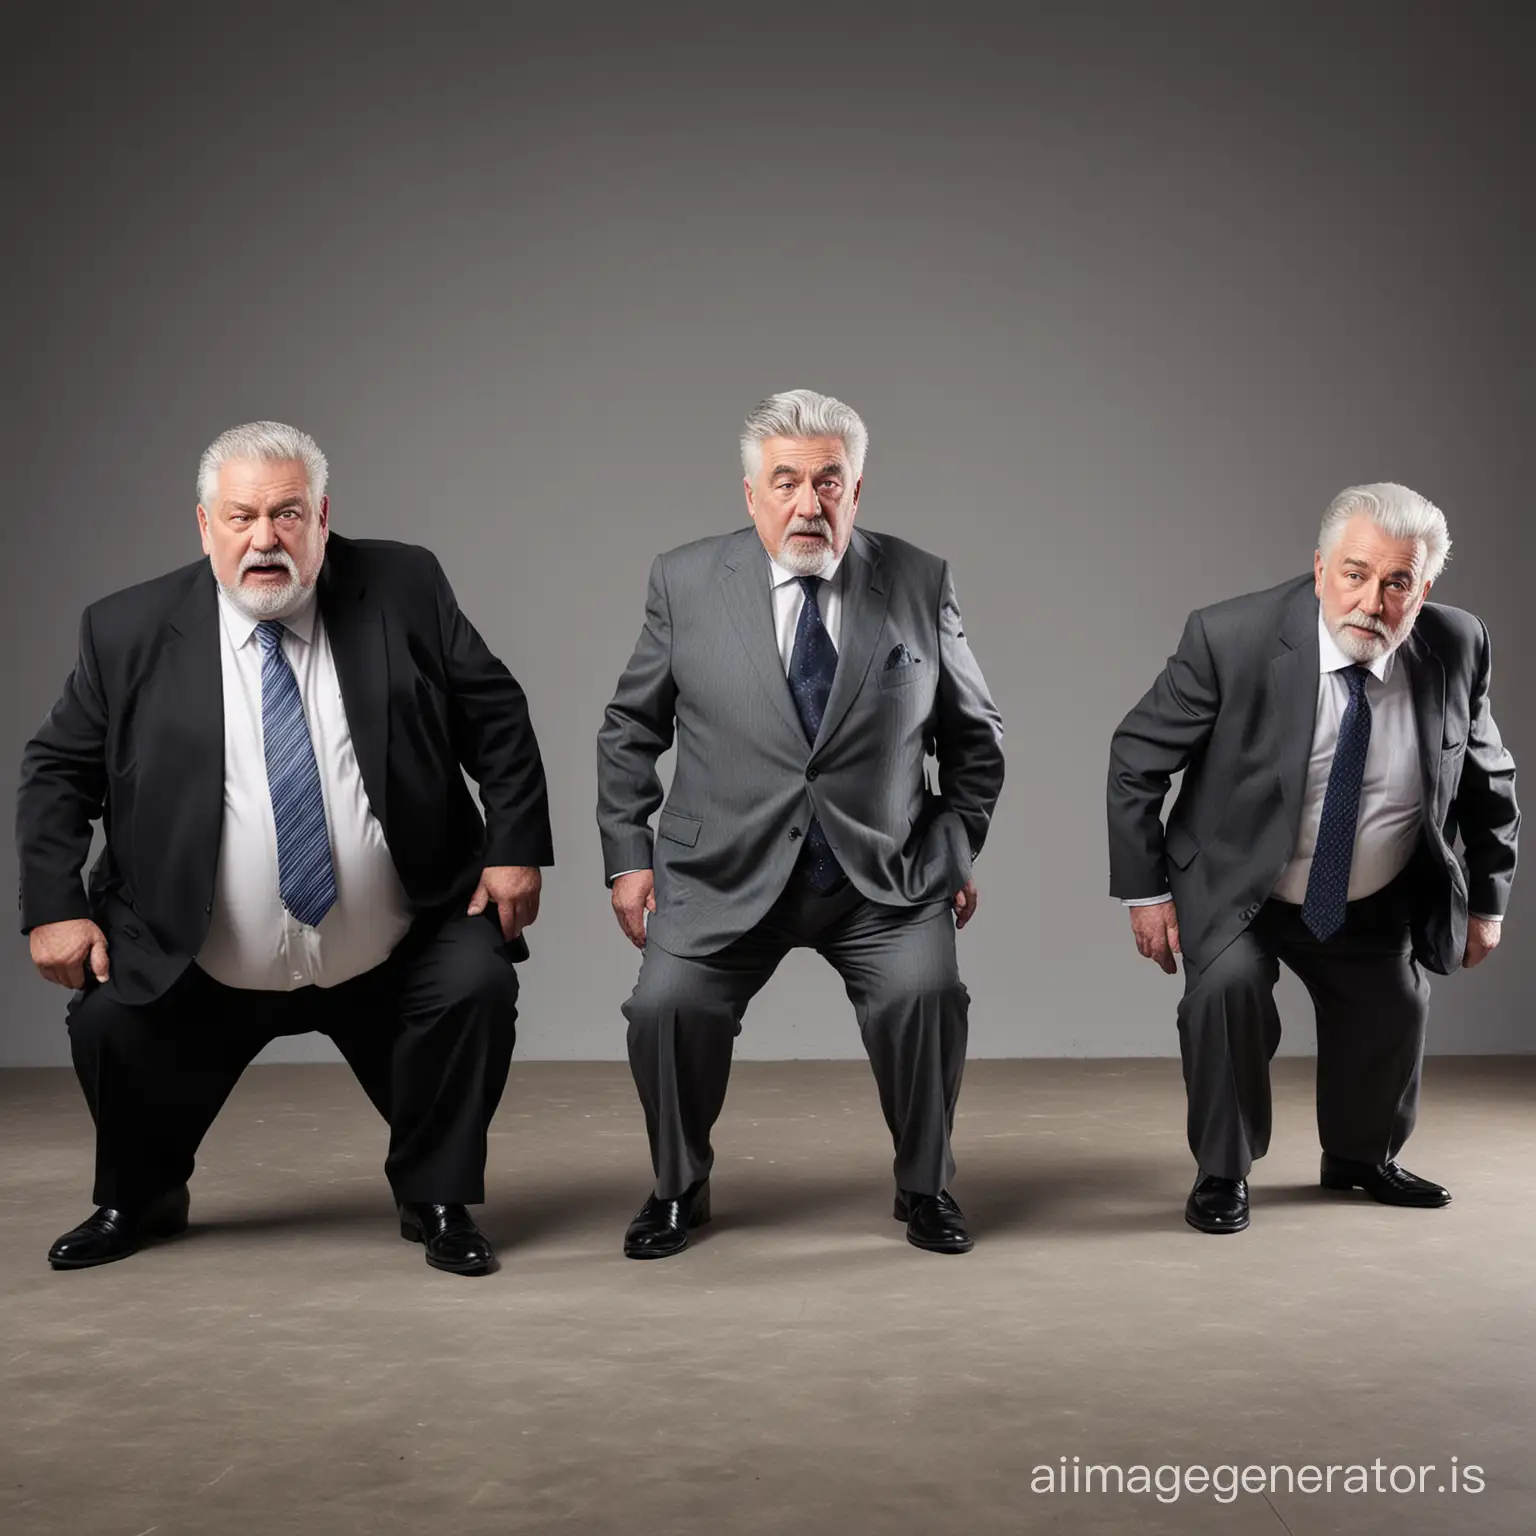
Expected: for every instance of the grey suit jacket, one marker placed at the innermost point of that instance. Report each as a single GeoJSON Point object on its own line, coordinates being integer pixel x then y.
{"type": "Point", "coordinates": [1235, 709]}
{"type": "Point", "coordinates": [707, 672]}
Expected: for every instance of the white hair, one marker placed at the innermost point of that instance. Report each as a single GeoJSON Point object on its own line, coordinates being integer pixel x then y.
{"type": "Point", "coordinates": [1398, 512]}
{"type": "Point", "coordinates": [271, 441]}
{"type": "Point", "coordinates": [803, 413]}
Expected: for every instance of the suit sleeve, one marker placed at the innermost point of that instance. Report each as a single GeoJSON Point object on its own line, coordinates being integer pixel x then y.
{"type": "Point", "coordinates": [493, 739]}
{"type": "Point", "coordinates": [968, 732]}
{"type": "Point", "coordinates": [62, 790]}
{"type": "Point", "coordinates": [1159, 736]}
{"type": "Point", "coordinates": [637, 728]}
{"type": "Point", "coordinates": [1486, 812]}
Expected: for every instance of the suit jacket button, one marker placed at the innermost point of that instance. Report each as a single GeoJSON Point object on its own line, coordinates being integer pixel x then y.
{"type": "Point", "coordinates": [794, 832]}
{"type": "Point", "coordinates": [209, 907]}
{"type": "Point", "coordinates": [812, 773]}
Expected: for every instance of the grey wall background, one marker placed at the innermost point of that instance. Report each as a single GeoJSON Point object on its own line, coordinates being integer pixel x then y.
{"type": "Point", "coordinates": [1124, 291]}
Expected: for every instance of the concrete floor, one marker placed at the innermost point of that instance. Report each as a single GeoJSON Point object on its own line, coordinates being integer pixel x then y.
{"type": "Point", "coordinates": [292, 1366]}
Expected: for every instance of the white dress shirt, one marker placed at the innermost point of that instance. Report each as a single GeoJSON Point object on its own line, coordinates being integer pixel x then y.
{"type": "Point", "coordinates": [253, 940]}
{"type": "Point", "coordinates": [1391, 805]}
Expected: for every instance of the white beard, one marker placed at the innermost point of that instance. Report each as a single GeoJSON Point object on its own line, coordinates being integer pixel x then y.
{"type": "Point", "coordinates": [266, 602]}
{"type": "Point", "coordinates": [806, 559]}
{"type": "Point", "coordinates": [1363, 647]}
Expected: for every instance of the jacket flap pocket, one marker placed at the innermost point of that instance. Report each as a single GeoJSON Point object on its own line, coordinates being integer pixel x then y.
{"type": "Point", "coordinates": [679, 829]}
{"type": "Point", "coordinates": [1180, 847]}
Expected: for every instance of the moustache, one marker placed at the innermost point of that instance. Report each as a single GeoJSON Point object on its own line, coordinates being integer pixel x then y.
{"type": "Point", "coordinates": [280, 561]}
{"type": "Point", "coordinates": [817, 526]}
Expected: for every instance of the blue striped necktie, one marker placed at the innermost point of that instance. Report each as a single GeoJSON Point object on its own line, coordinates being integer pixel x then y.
{"type": "Point", "coordinates": [1328, 882]}
{"type": "Point", "coordinates": [305, 878]}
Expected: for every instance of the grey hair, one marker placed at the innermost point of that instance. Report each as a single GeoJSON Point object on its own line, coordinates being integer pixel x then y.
{"type": "Point", "coordinates": [803, 413]}
{"type": "Point", "coordinates": [268, 440]}
{"type": "Point", "coordinates": [1398, 512]}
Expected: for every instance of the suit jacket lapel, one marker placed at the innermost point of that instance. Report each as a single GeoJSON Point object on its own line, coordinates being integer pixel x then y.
{"type": "Point", "coordinates": [1426, 682]}
{"type": "Point", "coordinates": [355, 627]}
{"type": "Point", "coordinates": [866, 596]}
{"type": "Point", "coordinates": [1294, 677]}
{"type": "Point", "coordinates": [196, 682]}
{"type": "Point", "coordinates": [744, 585]}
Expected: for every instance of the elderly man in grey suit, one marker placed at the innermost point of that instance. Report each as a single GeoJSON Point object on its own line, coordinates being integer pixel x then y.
{"type": "Point", "coordinates": [1336, 735]}
{"type": "Point", "coordinates": [804, 669]}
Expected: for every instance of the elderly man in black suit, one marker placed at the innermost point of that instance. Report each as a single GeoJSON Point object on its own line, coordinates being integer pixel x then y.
{"type": "Point", "coordinates": [1335, 734]}
{"type": "Point", "coordinates": [274, 739]}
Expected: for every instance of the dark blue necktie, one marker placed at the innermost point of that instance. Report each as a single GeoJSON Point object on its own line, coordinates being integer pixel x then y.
{"type": "Point", "coordinates": [306, 879]}
{"type": "Point", "coordinates": [812, 665]}
{"type": "Point", "coordinates": [1328, 883]}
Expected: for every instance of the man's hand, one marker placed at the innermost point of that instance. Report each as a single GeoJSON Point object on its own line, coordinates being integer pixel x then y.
{"type": "Point", "coordinates": [515, 890]}
{"type": "Point", "coordinates": [61, 951]}
{"type": "Point", "coordinates": [634, 895]}
{"type": "Point", "coordinates": [1157, 933]}
{"type": "Point", "coordinates": [965, 904]}
{"type": "Point", "coordinates": [1482, 940]}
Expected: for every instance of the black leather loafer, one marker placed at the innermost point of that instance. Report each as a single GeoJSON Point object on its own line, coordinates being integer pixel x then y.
{"type": "Point", "coordinates": [934, 1222]}
{"type": "Point", "coordinates": [1216, 1204]}
{"type": "Point", "coordinates": [660, 1227]}
{"type": "Point", "coordinates": [1385, 1182]}
{"type": "Point", "coordinates": [112, 1233]}
{"type": "Point", "coordinates": [452, 1240]}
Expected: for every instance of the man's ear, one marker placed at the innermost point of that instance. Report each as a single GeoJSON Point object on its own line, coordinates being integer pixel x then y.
{"type": "Point", "coordinates": [746, 486]}
{"type": "Point", "coordinates": [1317, 572]}
{"type": "Point", "coordinates": [325, 517]}
{"type": "Point", "coordinates": [202, 528]}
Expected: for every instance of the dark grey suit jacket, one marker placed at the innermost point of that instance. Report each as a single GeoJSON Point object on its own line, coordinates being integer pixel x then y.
{"type": "Point", "coordinates": [707, 672]}
{"type": "Point", "coordinates": [1235, 709]}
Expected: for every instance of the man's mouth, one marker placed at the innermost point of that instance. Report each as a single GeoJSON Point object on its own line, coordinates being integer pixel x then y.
{"type": "Point", "coordinates": [267, 570]}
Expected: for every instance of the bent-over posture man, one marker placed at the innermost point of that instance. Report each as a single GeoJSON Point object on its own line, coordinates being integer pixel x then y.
{"type": "Point", "coordinates": [273, 739]}
{"type": "Point", "coordinates": [1336, 735]}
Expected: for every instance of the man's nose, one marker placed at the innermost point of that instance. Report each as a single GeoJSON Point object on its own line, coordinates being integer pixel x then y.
{"type": "Point", "coordinates": [264, 533]}
{"type": "Point", "coordinates": [1371, 597]}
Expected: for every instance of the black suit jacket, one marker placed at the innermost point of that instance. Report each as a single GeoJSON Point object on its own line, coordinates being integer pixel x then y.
{"type": "Point", "coordinates": [1235, 709]}
{"type": "Point", "coordinates": [137, 740]}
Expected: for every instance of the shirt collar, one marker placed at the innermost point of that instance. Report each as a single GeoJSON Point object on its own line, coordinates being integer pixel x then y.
{"type": "Point", "coordinates": [240, 626]}
{"type": "Point", "coordinates": [1331, 659]}
{"type": "Point", "coordinates": [781, 575]}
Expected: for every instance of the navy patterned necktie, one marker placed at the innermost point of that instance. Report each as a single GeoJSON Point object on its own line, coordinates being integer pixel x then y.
{"type": "Point", "coordinates": [812, 665]}
{"type": "Point", "coordinates": [1328, 883]}
{"type": "Point", "coordinates": [306, 879]}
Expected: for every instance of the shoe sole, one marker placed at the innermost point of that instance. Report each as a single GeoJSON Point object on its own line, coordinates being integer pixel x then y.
{"type": "Point", "coordinates": [969, 1243]}
{"type": "Point", "coordinates": [1345, 1187]}
{"type": "Point", "coordinates": [414, 1234]}
{"type": "Point", "coordinates": [1222, 1231]}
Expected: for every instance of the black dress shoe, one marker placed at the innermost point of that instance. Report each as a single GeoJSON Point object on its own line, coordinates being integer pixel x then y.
{"type": "Point", "coordinates": [660, 1227]}
{"type": "Point", "coordinates": [1217, 1205]}
{"type": "Point", "coordinates": [1385, 1182]}
{"type": "Point", "coordinates": [113, 1233]}
{"type": "Point", "coordinates": [934, 1222]}
{"type": "Point", "coordinates": [452, 1240]}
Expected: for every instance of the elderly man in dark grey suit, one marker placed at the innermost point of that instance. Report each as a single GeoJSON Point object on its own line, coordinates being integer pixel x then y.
{"type": "Point", "coordinates": [1336, 735]}
{"type": "Point", "coordinates": [804, 669]}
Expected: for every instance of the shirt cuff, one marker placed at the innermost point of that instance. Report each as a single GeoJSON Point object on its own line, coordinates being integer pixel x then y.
{"type": "Point", "coordinates": [1145, 901]}
{"type": "Point", "coordinates": [1488, 917]}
